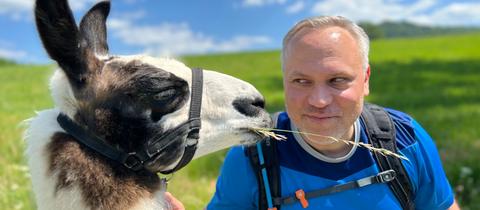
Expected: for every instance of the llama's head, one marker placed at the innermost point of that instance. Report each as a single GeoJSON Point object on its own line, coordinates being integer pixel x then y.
{"type": "Point", "coordinates": [129, 100]}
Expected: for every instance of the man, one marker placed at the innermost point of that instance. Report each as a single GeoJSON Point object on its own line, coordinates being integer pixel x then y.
{"type": "Point", "coordinates": [326, 77]}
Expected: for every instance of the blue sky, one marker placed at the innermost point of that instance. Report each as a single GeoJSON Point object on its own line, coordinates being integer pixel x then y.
{"type": "Point", "coordinates": [179, 27]}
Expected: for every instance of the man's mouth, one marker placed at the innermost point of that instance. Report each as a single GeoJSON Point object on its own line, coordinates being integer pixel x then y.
{"type": "Point", "coordinates": [320, 117]}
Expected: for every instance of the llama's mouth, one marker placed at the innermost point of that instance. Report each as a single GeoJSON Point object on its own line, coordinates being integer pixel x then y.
{"type": "Point", "coordinates": [249, 135]}
{"type": "Point", "coordinates": [252, 134]}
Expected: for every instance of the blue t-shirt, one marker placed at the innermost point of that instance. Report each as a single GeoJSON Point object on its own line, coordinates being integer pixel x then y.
{"type": "Point", "coordinates": [237, 185]}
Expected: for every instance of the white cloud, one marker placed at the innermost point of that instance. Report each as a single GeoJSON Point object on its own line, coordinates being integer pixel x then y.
{"type": "Point", "coordinates": [23, 9]}
{"type": "Point", "coordinates": [374, 10]}
{"type": "Point", "coordinates": [421, 11]}
{"type": "Point", "coordinates": [259, 3]}
{"type": "Point", "coordinates": [295, 7]}
{"type": "Point", "coordinates": [455, 14]}
{"type": "Point", "coordinates": [239, 43]}
{"type": "Point", "coordinates": [16, 9]}
{"type": "Point", "coordinates": [12, 54]}
{"type": "Point", "coordinates": [177, 39]}
{"type": "Point", "coordinates": [15, 5]}
{"type": "Point", "coordinates": [81, 4]}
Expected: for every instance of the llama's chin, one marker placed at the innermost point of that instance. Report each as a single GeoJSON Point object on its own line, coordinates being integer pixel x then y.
{"type": "Point", "coordinates": [250, 135]}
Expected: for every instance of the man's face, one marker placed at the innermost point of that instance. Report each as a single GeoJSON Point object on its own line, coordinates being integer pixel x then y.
{"type": "Point", "coordinates": [324, 81]}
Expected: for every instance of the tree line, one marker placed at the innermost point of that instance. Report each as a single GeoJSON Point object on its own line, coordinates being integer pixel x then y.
{"type": "Point", "coordinates": [405, 29]}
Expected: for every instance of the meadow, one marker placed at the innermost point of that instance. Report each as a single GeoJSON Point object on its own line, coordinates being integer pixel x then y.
{"type": "Point", "coordinates": [434, 79]}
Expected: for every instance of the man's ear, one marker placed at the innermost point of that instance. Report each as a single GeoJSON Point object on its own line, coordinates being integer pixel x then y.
{"type": "Point", "coordinates": [366, 81]}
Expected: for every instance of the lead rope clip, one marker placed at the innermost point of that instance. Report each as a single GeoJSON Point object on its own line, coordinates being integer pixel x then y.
{"type": "Point", "coordinates": [163, 184]}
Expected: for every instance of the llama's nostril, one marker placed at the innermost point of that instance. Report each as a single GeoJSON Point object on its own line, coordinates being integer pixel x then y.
{"type": "Point", "coordinates": [259, 102]}
{"type": "Point", "coordinates": [249, 107]}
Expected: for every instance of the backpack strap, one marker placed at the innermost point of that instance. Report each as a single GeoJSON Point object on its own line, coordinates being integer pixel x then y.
{"type": "Point", "coordinates": [381, 133]}
{"type": "Point", "coordinates": [380, 130]}
{"type": "Point", "coordinates": [267, 172]}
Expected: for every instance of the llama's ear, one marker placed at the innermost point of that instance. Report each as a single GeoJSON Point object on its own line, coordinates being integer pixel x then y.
{"type": "Point", "coordinates": [93, 28]}
{"type": "Point", "coordinates": [60, 37]}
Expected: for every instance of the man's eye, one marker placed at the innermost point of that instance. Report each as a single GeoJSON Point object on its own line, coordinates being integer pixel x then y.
{"type": "Point", "coordinates": [340, 83]}
{"type": "Point", "coordinates": [339, 80]}
{"type": "Point", "coordinates": [301, 81]}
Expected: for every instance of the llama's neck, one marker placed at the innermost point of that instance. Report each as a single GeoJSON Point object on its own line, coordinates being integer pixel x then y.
{"type": "Point", "coordinates": [101, 186]}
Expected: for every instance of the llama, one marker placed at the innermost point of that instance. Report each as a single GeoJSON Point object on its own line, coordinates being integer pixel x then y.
{"type": "Point", "coordinates": [124, 104]}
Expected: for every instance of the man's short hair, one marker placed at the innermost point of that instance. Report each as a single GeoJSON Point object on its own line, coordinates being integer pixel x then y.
{"type": "Point", "coordinates": [319, 22]}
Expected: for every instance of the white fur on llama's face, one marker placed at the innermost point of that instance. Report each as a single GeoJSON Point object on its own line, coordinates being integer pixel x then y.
{"type": "Point", "coordinates": [125, 100]}
{"type": "Point", "coordinates": [222, 125]}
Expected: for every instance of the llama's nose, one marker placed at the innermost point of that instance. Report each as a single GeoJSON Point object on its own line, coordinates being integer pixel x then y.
{"type": "Point", "coordinates": [249, 107]}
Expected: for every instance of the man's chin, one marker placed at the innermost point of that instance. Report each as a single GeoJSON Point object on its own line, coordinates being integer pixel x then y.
{"type": "Point", "coordinates": [318, 136]}
{"type": "Point", "coordinates": [324, 127]}
{"type": "Point", "coordinates": [328, 134]}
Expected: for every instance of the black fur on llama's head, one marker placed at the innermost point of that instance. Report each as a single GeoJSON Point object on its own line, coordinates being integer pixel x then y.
{"type": "Point", "coordinates": [128, 100]}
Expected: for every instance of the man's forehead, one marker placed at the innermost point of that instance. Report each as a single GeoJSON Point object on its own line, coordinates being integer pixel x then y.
{"type": "Point", "coordinates": [332, 71]}
{"type": "Point", "coordinates": [317, 35]}
{"type": "Point", "coordinates": [335, 36]}
{"type": "Point", "coordinates": [314, 45]}
{"type": "Point", "coordinates": [314, 41]}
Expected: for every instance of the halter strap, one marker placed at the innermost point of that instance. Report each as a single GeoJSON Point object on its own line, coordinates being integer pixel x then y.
{"type": "Point", "coordinates": [135, 160]}
{"type": "Point", "coordinates": [194, 117]}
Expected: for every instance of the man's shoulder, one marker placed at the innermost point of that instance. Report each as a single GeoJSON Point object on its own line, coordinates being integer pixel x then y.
{"type": "Point", "coordinates": [235, 183]}
{"type": "Point", "coordinates": [236, 164]}
{"type": "Point", "coordinates": [238, 157]}
{"type": "Point", "coordinates": [399, 116]}
{"type": "Point", "coordinates": [281, 119]}
{"type": "Point", "coordinates": [405, 128]}
{"type": "Point", "coordinates": [237, 153]}
{"type": "Point", "coordinates": [408, 130]}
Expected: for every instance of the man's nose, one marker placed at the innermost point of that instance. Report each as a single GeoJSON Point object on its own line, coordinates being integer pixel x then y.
{"type": "Point", "coordinates": [320, 97]}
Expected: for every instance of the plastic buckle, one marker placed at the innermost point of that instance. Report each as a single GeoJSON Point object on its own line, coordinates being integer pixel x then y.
{"type": "Point", "coordinates": [300, 194]}
{"type": "Point", "coordinates": [132, 161]}
{"type": "Point", "coordinates": [386, 176]}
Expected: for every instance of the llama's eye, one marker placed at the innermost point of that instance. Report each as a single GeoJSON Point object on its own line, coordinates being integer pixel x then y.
{"type": "Point", "coordinates": [167, 100]}
{"type": "Point", "coordinates": [164, 95]}
{"type": "Point", "coordinates": [163, 102]}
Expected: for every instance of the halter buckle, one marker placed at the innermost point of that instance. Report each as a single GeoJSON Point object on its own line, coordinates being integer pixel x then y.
{"type": "Point", "coordinates": [132, 161]}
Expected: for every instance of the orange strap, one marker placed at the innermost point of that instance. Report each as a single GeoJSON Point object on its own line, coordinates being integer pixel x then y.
{"type": "Point", "coordinates": [300, 194]}
{"type": "Point", "coordinates": [274, 208]}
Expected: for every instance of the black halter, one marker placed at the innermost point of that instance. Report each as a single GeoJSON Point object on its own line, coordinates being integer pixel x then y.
{"type": "Point", "coordinates": [188, 132]}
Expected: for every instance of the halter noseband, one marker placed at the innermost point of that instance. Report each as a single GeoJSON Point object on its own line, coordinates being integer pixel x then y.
{"type": "Point", "coordinates": [188, 132]}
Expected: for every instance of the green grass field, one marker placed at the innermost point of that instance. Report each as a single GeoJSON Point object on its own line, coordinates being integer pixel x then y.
{"type": "Point", "coordinates": [435, 79]}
